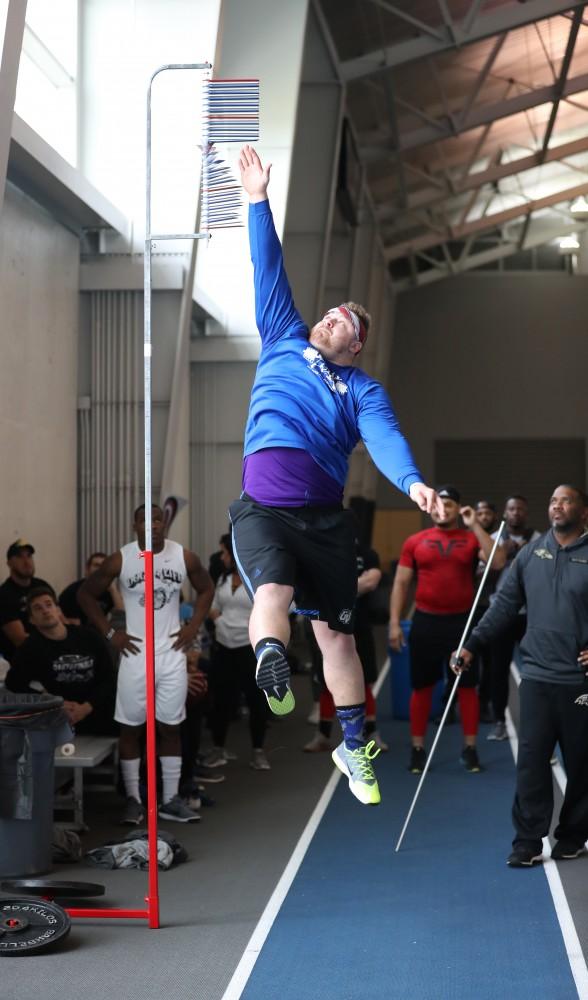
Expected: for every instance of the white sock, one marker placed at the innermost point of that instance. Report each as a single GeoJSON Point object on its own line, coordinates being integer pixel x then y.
{"type": "Point", "coordinates": [130, 775]}
{"type": "Point", "coordinates": [171, 769]}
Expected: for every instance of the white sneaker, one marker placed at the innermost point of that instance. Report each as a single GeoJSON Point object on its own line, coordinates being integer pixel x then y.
{"type": "Point", "coordinates": [318, 744]}
{"type": "Point", "coordinates": [499, 732]}
{"type": "Point", "coordinates": [259, 761]}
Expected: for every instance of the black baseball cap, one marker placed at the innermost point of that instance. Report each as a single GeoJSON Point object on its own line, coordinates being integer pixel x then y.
{"type": "Point", "coordinates": [20, 543]}
{"type": "Point", "coordinates": [448, 492]}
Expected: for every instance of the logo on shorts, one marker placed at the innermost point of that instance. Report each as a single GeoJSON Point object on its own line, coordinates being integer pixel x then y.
{"type": "Point", "coordinates": [582, 700]}
{"type": "Point", "coordinates": [345, 616]}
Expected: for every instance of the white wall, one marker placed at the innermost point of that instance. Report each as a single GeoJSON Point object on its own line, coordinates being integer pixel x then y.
{"type": "Point", "coordinates": [38, 380]}
{"type": "Point", "coordinates": [490, 356]}
{"type": "Point", "coordinates": [124, 41]}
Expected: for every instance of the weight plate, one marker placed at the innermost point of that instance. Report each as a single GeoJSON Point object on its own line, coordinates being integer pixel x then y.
{"type": "Point", "coordinates": [28, 926]}
{"type": "Point", "coordinates": [53, 889]}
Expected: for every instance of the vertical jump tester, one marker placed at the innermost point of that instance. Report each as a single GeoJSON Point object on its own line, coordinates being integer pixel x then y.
{"type": "Point", "coordinates": [230, 113]}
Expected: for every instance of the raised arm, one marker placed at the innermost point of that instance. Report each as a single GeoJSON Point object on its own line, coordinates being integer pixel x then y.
{"type": "Point", "coordinates": [275, 312]}
{"type": "Point", "coordinates": [254, 176]}
{"type": "Point", "coordinates": [485, 541]}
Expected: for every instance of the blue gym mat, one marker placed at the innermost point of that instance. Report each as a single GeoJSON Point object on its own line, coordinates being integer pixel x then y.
{"type": "Point", "coordinates": [444, 919]}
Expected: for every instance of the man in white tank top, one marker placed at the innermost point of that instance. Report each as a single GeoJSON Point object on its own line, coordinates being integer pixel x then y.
{"type": "Point", "coordinates": [171, 565]}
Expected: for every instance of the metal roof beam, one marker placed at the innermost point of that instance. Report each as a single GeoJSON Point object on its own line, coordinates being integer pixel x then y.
{"type": "Point", "coordinates": [476, 260]}
{"type": "Point", "coordinates": [477, 117]}
{"type": "Point", "coordinates": [476, 180]}
{"type": "Point", "coordinates": [472, 29]}
{"type": "Point", "coordinates": [427, 240]}
{"type": "Point", "coordinates": [482, 77]}
{"type": "Point", "coordinates": [563, 75]}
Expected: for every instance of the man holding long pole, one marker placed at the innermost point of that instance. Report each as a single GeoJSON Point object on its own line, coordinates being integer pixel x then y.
{"type": "Point", "coordinates": [550, 576]}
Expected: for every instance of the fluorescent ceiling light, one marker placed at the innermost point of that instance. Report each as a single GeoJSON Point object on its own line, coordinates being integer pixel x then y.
{"type": "Point", "coordinates": [579, 208]}
{"type": "Point", "coordinates": [569, 244]}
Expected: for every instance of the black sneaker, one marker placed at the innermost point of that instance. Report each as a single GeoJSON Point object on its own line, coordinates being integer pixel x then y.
{"type": "Point", "coordinates": [565, 850]}
{"type": "Point", "coordinates": [272, 676]}
{"type": "Point", "coordinates": [525, 856]}
{"type": "Point", "coordinates": [418, 759]}
{"type": "Point", "coordinates": [134, 813]}
{"type": "Point", "coordinates": [469, 759]}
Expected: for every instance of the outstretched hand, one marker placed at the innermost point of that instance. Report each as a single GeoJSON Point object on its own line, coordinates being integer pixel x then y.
{"type": "Point", "coordinates": [254, 176]}
{"type": "Point", "coordinates": [426, 498]}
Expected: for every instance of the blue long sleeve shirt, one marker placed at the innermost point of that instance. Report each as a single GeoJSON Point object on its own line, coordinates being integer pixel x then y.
{"type": "Point", "coordinates": [299, 400]}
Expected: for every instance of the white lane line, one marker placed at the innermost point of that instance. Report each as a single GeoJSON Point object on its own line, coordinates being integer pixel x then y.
{"type": "Point", "coordinates": [560, 903]}
{"type": "Point", "coordinates": [257, 940]}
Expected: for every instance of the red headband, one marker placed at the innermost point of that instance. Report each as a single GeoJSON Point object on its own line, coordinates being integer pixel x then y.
{"type": "Point", "coordinates": [357, 323]}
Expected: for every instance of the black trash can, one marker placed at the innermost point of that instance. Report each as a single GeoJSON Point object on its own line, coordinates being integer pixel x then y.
{"type": "Point", "coordinates": [31, 726]}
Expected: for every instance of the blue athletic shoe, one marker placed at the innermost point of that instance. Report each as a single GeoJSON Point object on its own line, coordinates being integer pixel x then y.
{"type": "Point", "coordinates": [272, 676]}
{"type": "Point", "coordinates": [356, 765]}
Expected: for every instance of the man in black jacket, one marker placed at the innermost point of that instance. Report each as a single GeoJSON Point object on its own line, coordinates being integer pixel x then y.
{"type": "Point", "coordinates": [550, 576]}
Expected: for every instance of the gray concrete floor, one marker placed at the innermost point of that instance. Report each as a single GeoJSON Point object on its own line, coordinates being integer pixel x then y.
{"type": "Point", "coordinates": [211, 904]}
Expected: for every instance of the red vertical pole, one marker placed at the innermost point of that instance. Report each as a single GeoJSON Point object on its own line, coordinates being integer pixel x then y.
{"type": "Point", "coordinates": [153, 896]}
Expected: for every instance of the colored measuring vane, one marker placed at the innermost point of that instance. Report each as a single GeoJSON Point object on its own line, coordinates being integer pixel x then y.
{"type": "Point", "coordinates": [230, 113]}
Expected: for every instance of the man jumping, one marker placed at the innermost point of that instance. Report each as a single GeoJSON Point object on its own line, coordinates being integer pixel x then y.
{"type": "Point", "coordinates": [309, 408]}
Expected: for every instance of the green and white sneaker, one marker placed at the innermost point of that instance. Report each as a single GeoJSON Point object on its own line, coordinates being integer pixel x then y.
{"type": "Point", "coordinates": [356, 765]}
{"type": "Point", "coordinates": [272, 676]}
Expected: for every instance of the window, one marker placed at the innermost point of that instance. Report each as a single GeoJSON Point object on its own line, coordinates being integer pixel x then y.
{"type": "Point", "coordinates": [46, 89]}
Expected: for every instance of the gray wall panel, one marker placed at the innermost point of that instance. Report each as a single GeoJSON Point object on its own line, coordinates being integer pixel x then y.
{"type": "Point", "coordinates": [490, 356]}
{"type": "Point", "coordinates": [38, 378]}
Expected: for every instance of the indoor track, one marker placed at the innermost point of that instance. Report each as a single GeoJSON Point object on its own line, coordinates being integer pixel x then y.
{"type": "Point", "coordinates": [442, 919]}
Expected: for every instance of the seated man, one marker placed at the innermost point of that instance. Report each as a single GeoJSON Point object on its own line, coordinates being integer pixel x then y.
{"type": "Point", "coordinates": [68, 599]}
{"type": "Point", "coordinates": [66, 660]}
{"type": "Point", "coordinates": [14, 623]}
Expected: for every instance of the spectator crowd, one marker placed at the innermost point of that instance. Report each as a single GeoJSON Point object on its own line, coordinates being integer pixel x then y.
{"type": "Point", "coordinates": [86, 644]}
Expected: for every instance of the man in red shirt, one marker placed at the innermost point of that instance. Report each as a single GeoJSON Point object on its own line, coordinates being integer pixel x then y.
{"type": "Point", "coordinates": [443, 559]}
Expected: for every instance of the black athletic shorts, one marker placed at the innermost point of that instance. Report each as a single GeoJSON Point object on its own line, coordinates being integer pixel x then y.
{"type": "Point", "coordinates": [311, 549]}
{"type": "Point", "coordinates": [431, 641]}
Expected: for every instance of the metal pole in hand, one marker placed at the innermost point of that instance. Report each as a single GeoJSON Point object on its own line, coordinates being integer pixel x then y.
{"type": "Point", "coordinates": [454, 688]}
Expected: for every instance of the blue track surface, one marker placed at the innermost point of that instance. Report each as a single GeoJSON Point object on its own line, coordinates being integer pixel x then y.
{"type": "Point", "coordinates": [444, 919]}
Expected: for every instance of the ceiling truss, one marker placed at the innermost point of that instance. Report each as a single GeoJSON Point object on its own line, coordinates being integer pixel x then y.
{"type": "Point", "coordinates": [471, 122]}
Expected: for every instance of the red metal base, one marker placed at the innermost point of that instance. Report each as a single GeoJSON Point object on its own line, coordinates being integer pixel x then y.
{"type": "Point", "coordinates": [152, 912]}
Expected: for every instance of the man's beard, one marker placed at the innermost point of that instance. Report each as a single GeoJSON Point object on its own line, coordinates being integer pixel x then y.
{"type": "Point", "coordinates": [565, 527]}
